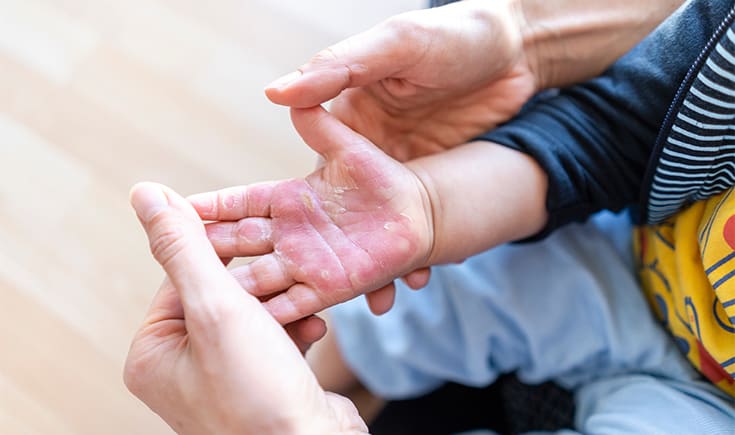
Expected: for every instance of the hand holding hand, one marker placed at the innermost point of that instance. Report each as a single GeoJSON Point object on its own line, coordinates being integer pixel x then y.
{"type": "Point", "coordinates": [209, 358]}
{"type": "Point", "coordinates": [349, 228]}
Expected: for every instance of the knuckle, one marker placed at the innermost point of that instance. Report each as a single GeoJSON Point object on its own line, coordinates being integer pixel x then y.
{"type": "Point", "coordinates": [404, 29]}
{"type": "Point", "coordinates": [326, 56]}
{"type": "Point", "coordinates": [168, 243]}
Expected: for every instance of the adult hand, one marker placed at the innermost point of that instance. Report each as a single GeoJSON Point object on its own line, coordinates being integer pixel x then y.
{"type": "Point", "coordinates": [428, 80]}
{"type": "Point", "coordinates": [422, 81]}
{"type": "Point", "coordinates": [349, 228]}
{"type": "Point", "coordinates": [209, 358]}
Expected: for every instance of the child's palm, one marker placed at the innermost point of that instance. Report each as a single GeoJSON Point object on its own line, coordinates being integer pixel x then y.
{"type": "Point", "coordinates": [351, 227]}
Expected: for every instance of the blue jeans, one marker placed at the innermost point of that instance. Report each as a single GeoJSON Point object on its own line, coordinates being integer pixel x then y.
{"type": "Point", "coordinates": [567, 309]}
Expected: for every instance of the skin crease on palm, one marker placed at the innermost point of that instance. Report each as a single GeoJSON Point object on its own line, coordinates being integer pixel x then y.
{"type": "Point", "coordinates": [348, 228]}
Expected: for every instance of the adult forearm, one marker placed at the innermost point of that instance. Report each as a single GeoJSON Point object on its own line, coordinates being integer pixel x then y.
{"type": "Point", "coordinates": [482, 195]}
{"type": "Point", "coordinates": [568, 41]}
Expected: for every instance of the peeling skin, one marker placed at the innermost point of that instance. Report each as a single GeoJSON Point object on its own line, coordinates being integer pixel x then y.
{"type": "Point", "coordinates": [249, 233]}
{"type": "Point", "coordinates": [333, 208]}
{"type": "Point", "coordinates": [343, 175]}
{"type": "Point", "coordinates": [391, 226]}
{"type": "Point", "coordinates": [306, 199]}
{"type": "Point", "coordinates": [342, 189]}
{"type": "Point", "coordinates": [228, 202]}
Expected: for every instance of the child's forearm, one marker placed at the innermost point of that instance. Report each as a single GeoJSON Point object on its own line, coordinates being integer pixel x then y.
{"type": "Point", "coordinates": [567, 41]}
{"type": "Point", "coordinates": [482, 195]}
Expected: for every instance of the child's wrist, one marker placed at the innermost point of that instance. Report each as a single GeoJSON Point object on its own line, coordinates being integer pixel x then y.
{"type": "Point", "coordinates": [432, 212]}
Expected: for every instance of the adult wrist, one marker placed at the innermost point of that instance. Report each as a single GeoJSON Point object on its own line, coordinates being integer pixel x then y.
{"type": "Point", "coordinates": [568, 41]}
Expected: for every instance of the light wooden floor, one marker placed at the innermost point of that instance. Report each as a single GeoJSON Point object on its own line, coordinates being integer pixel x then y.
{"type": "Point", "coordinates": [94, 96]}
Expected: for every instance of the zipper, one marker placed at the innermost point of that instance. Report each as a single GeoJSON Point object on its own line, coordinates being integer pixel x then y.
{"type": "Point", "coordinates": [676, 104]}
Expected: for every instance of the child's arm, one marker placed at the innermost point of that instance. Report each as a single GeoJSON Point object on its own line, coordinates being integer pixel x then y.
{"type": "Point", "coordinates": [363, 219]}
{"type": "Point", "coordinates": [482, 195]}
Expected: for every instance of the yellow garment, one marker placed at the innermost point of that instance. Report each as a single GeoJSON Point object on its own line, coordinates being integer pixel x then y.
{"type": "Point", "coordinates": [687, 268]}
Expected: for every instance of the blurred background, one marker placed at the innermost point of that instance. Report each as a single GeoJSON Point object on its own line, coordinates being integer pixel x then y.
{"type": "Point", "coordinates": [96, 95]}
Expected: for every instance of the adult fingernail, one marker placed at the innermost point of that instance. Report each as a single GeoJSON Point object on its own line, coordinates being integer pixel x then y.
{"type": "Point", "coordinates": [285, 80]}
{"type": "Point", "coordinates": [148, 199]}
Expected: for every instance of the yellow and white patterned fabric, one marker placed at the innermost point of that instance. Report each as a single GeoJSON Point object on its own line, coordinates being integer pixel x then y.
{"type": "Point", "coordinates": [687, 268]}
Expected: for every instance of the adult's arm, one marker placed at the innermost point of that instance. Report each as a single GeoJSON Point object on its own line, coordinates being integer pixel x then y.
{"type": "Point", "coordinates": [568, 41]}
{"type": "Point", "coordinates": [562, 42]}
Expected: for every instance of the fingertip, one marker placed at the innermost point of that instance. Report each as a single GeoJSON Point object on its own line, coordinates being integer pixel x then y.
{"type": "Point", "coordinates": [306, 332]}
{"type": "Point", "coordinates": [417, 279]}
{"type": "Point", "coordinates": [148, 199]}
{"type": "Point", "coordinates": [284, 81]}
{"type": "Point", "coordinates": [309, 88]}
{"type": "Point", "coordinates": [313, 329]}
{"type": "Point", "coordinates": [381, 301]}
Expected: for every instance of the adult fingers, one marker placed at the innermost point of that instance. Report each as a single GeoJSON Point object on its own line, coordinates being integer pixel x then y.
{"type": "Point", "coordinates": [360, 60]}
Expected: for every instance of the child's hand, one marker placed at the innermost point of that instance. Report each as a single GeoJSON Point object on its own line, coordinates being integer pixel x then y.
{"type": "Point", "coordinates": [351, 227]}
{"type": "Point", "coordinates": [422, 81]}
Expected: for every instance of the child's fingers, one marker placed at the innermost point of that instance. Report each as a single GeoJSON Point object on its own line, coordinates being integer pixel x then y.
{"type": "Point", "coordinates": [300, 301]}
{"type": "Point", "coordinates": [245, 238]}
{"type": "Point", "coordinates": [325, 134]}
{"type": "Point", "coordinates": [417, 279]}
{"type": "Point", "coordinates": [306, 332]}
{"type": "Point", "coordinates": [264, 276]}
{"type": "Point", "coordinates": [234, 203]}
{"type": "Point", "coordinates": [381, 300]}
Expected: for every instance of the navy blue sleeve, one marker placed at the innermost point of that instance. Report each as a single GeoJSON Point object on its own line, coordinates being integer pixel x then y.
{"type": "Point", "coordinates": [595, 140]}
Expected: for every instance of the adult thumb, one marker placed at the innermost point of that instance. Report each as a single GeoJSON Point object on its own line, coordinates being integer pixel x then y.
{"type": "Point", "coordinates": [179, 243]}
{"type": "Point", "coordinates": [360, 60]}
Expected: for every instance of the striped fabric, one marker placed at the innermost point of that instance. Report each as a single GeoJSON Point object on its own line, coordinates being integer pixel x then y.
{"type": "Point", "coordinates": [698, 157]}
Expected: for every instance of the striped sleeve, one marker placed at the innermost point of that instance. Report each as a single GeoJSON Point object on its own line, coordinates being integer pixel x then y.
{"type": "Point", "coordinates": [595, 140]}
{"type": "Point", "coordinates": [697, 159]}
